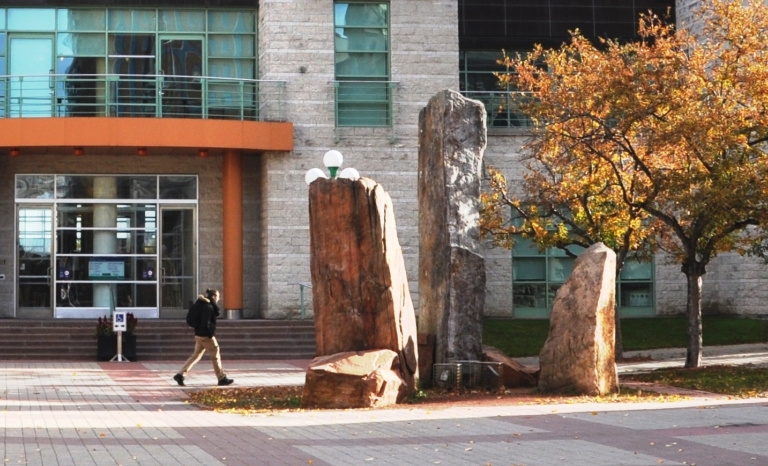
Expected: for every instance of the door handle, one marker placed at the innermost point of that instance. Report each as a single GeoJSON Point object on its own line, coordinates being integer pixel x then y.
{"type": "Point", "coordinates": [50, 276]}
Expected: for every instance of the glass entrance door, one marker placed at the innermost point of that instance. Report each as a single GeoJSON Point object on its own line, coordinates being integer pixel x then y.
{"type": "Point", "coordinates": [181, 64]}
{"type": "Point", "coordinates": [33, 263]}
{"type": "Point", "coordinates": [31, 66]}
{"type": "Point", "coordinates": [177, 254]}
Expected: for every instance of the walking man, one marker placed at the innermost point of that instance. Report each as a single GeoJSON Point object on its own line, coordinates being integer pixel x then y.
{"type": "Point", "coordinates": [205, 311]}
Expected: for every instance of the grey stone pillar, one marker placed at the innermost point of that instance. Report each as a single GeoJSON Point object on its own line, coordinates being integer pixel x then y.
{"type": "Point", "coordinates": [104, 241]}
{"type": "Point", "coordinates": [452, 139]}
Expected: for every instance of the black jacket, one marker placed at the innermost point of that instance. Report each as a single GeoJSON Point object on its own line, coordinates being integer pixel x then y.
{"type": "Point", "coordinates": [208, 312]}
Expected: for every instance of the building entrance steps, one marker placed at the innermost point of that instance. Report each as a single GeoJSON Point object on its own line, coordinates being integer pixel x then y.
{"type": "Point", "coordinates": [166, 340]}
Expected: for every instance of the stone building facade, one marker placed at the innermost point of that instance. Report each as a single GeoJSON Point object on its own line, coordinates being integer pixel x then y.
{"type": "Point", "coordinates": [244, 159]}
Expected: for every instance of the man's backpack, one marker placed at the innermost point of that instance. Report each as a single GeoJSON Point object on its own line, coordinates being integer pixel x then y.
{"type": "Point", "coordinates": [193, 315]}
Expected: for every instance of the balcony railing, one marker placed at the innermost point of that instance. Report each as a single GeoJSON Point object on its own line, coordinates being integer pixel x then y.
{"type": "Point", "coordinates": [503, 107]}
{"type": "Point", "coordinates": [153, 96]}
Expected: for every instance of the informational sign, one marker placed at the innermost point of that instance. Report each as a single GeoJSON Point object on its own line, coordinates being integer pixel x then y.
{"type": "Point", "coordinates": [119, 322]}
{"type": "Point", "coordinates": [106, 269]}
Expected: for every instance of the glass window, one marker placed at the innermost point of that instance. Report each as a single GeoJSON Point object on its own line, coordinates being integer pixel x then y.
{"type": "Point", "coordinates": [2, 43]}
{"type": "Point", "coordinates": [132, 20]}
{"type": "Point", "coordinates": [538, 275]}
{"type": "Point", "coordinates": [230, 45]}
{"type": "Point", "coordinates": [181, 20]}
{"type": "Point", "coordinates": [31, 19]}
{"type": "Point", "coordinates": [81, 44]}
{"type": "Point", "coordinates": [231, 21]}
{"type": "Point", "coordinates": [362, 67]}
{"type": "Point", "coordinates": [178, 187]}
{"type": "Point", "coordinates": [81, 20]}
{"type": "Point", "coordinates": [34, 187]}
{"type": "Point", "coordinates": [2, 18]}
{"type": "Point", "coordinates": [122, 187]}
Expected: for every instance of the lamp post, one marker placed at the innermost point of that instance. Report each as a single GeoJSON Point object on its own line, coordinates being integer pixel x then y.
{"type": "Point", "coordinates": [332, 160]}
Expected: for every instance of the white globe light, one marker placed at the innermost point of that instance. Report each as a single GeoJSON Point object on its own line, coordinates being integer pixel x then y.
{"type": "Point", "coordinates": [350, 174]}
{"type": "Point", "coordinates": [333, 158]}
{"type": "Point", "coordinates": [314, 174]}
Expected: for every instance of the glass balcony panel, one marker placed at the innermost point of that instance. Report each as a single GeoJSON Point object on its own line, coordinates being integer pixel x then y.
{"type": "Point", "coordinates": [31, 19]}
{"type": "Point", "coordinates": [182, 20]}
{"type": "Point", "coordinates": [231, 46]}
{"type": "Point", "coordinates": [81, 20]}
{"type": "Point", "coordinates": [132, 20]}
{"type": "Point", "coordinates": [231, 21]}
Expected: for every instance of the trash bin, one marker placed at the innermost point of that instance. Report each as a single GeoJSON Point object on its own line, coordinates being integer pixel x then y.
{"type": "Point", "coordinates": [234, 314]}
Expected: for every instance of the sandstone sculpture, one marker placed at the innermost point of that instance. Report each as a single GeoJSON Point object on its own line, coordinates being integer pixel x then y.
{"type": "Point", "coordinates": [578, 356]}
{"type": "Point", "coordinates": [452, 138]}
{"type": "Point", "coordinates": [365, 379]}
{"type": "Point", "coordinates": [360, 289]}
{"type": "Point", "coordinates": [513, 374]}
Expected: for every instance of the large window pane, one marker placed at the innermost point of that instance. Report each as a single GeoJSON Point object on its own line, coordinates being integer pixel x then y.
{"type": "Point", "coordinates": [178, 187]}
{"type": "Point", "coordinates": [361, 14]}
{"type": "Point", "coordinates": [126, 187]}
{"type": "Point", "coordinates": [231, 21]}
{"type": "Point", "coordinates": [81, 44]}
{"type": "Point", "coordinates": [81, 20]}
{"type": "Point", "coordinates": [231, 68]}
{"type": "Point", "coordinates": [230, 45]}
{"type": "Point", "coordinates": [34, 187]}
{"type": "Point", "coordinates": [182, 20]}
{"type": "Point", "coordinates": [2, 43]}
{"type": "Point", "coordinates": [31, 19]}
{"type": "Point", "coordinates": [530, 269]}
{"type": "Point", "coordinates": [132, 20]}
{"type": "Point", "coordinates": [362, 65]}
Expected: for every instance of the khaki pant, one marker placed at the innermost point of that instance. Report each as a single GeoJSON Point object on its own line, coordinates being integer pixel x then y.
{"type": "Point", "coordinates": [201, 345]}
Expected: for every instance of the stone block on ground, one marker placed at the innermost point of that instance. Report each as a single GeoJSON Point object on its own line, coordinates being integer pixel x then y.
{"type": "Point", "coordinates": [513, 374]}
{"type": "Point", "coordinates": [578, 356]}
{"type": "Point", "coordinates": [364, 379]}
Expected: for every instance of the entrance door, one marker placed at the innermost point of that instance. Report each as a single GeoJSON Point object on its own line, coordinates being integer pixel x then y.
{"type": "Point", "coordinates": [31, 65]}
{"type": "Point", "coordinates": [178, 252]}
{"type": "Point", "coordinates": [181, 64]}
{"type": "Point", "coordinates": [33, 263]}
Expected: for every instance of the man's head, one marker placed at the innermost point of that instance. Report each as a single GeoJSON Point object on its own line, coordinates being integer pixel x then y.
{"type": "Point", "coordinates": [212, 294]}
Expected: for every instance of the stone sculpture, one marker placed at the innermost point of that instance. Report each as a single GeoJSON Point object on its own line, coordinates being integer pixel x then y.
{"type": "Point", "coordinates": [452, 138]}
{"type": "Point", "coordinates": [360, 290]}
{"type": "Point", "coordinates": [578, 356]}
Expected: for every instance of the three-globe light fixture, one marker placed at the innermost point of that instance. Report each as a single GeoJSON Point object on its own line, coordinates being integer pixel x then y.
{"type": "Point", "coordinates": [332, 160]}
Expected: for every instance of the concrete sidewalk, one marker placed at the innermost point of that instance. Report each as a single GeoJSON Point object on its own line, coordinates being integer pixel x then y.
{"type": "Point", "coordinates": [134, 413]}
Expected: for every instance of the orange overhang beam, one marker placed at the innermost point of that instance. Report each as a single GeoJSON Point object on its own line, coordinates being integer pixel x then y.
{"type": "Point", "coordinates": [146, 132]}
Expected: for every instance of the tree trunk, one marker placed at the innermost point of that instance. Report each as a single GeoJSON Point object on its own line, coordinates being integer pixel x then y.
{"type": "Point", "coordinates": [693, 309]}
{"type": "Point", "coordinates": [618, 346]}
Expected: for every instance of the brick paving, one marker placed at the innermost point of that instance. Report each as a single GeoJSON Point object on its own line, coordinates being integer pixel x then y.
{"type": "Point", "coordinates": [135, 414]}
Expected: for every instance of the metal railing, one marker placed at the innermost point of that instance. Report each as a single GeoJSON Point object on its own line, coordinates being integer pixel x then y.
{"type": "Point", "coordinates": [154, 96]}
{"type": "Point", "coordinates": [503, 107]}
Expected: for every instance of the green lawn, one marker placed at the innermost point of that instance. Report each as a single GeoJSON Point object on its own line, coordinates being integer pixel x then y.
{"type": "Point", "coordinates": [521, 338]}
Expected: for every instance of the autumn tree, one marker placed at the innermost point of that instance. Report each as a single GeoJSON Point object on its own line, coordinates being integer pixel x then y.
{"type": "Point", "coordinates": [676, 124]}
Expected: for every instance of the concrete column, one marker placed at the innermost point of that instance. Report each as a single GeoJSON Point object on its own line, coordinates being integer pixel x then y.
{"type": "Point", "coordinates": [233, 230]}
{"type": "Point", "coordinates": [104, 242]}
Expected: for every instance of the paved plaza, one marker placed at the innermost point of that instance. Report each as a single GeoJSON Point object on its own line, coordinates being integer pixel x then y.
{"type": "Point", "coordinates": [134, 413]}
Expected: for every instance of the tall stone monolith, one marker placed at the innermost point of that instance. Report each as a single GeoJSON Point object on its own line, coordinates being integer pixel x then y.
{"type": "Point", "coordinates": [452, 139]}
{"type": "Point", "coordinates": [578, 356]}
{"type": "Point", "coordinates": [360, 289]}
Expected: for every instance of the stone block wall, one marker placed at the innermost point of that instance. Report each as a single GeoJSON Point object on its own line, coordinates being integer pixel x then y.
{"type": "Point", "coordinates": [296, 35]}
